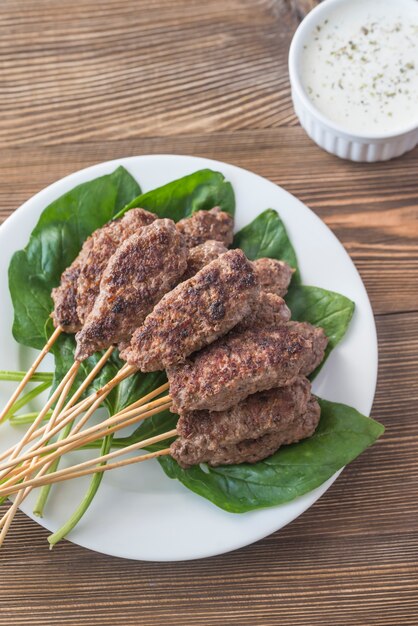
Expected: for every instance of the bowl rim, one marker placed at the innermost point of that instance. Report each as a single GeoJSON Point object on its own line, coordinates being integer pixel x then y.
{"type": "Point", "coordinates": [295, 80]}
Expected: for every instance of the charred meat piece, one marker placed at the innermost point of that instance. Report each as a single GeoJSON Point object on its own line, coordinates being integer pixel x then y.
{"type": "Point", "coordinates": [202, 255]}
{"type": "Point", "coordinates": [98, 249]}
{"type": "Point", "coordinates": [243, 363]}
{"type": "Point", "coordinates": [257, 415]}
{"type": "Point", "coordinates": [274, 276]}
{"type": "Point", "coordinates": [189, 452]}
{"type": "Point", "coordinates": [195, 313]}
{"type": "Point", "coordinates": [141, 271]}
{"type": "Point", "coordinates": [269, 310]}
{"type": "Point", "coordinates": [65, 300]}
{"type": "Point", "coordinates": [203, 225]}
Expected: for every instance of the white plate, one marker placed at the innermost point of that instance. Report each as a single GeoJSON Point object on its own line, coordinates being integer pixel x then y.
{"type": "Point", "coordinates": [138, 512]}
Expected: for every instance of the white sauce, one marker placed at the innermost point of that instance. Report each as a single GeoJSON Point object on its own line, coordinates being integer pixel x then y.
{"type": "Point", "coordinates": [360, 65]}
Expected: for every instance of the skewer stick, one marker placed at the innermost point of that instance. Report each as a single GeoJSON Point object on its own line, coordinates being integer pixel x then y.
{"type": "Point", "coordinates": [68, 418]}
{"type": "Point", "coordinates": [92, 375]}
{"type": "Point", "coordinates": [18, 448]}
{"type": "Point", "coordinates": [31, 371]}
{"type": "Point", "coordinates": [76, 429]}
{"type": "Point", "coordinates": [144, 399]}
{"type": "Point", "coordinates": [77, 441]}
{"type": "Point", "coordinates": [115, 419]}
{"type": "Point", "coordinates": [7, 519]}
{"type": "Point", "coordinates": [77, 470]}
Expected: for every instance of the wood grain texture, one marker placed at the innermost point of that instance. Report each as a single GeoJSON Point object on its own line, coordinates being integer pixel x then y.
{"type": "Point", "coordinates": [82, 82]}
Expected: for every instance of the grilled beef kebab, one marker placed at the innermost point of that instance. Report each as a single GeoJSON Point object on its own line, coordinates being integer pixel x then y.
{"type": "Point", "coordinates": [80, 282]}
{"type": "Point", "coordinates": [245, 362]}
{"type": "Point", "coordinates": [188, 453]}
{"type": "Point", "coordinates": [251, 430]}
{"type": "Point", "coordinates": [203, 225]}
{"type": "Point", "coordinates": [79, 286]}
{"type": "Point", "coordinates": [274, 276]}
{"type": "Point", "coordinates": [143, 268]}
{"type": "Point", "coordinates": [195, 313]}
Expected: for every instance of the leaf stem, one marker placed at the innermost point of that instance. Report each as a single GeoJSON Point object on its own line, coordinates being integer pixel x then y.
{"type": "Point", "coordinates": [44, 492]}
{"type": "Point", "coordinates": [26, 418]}
{"type": "Point", "coordinates": [85, 503]}
{"type": "Point", "coordinates": [26, 398]}
{"type": "Point", "coordinates": [18, 376]}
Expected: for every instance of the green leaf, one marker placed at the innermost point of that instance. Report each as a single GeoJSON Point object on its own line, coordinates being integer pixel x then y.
{"type": "Point", "coordinates": [199, 191]}
{"type": "Point", "coordinates": [343, 433]}
{"type": "Point", "coordinates": [327, 309]}
{"type": "Point", "coordinates": [266, 236]}
{"type": "Point", "coordinates": [53, 245]}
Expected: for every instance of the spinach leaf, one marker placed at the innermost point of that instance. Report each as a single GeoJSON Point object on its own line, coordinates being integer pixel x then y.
{"type": "Point", "coordinates": [201, 190]}
{"type": "Point", "coordinates": [266, 236]}
{"type": "Point", "coordinates": [330, 310]}
{"type": "Point", "coordinates": [53, 245]}
{"type": "Point", "coordinates": [343, 433]}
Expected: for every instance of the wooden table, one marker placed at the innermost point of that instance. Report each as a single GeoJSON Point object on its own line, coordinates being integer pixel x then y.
{"type": "Point", "coordinates": [84, 81]}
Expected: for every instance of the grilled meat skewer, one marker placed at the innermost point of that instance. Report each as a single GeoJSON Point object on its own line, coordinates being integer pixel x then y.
{"type": "Point", "coordinates": [203, 225]}
{"type": "Point", "coordinates": [195, 313]}
{"type": "Point", "coordinates": [142, 270]}
{"type": "Point", "coordinates": [79, 286]}
{"type": "Point", "coordinates": [80, 282]}
{"type": "Point", "coordinates": [274, 276]}
{"type": "Point", "coordinates": [259, 414]}
{"type": "Point", "coordinates": [245, 362]}
{"type": "Point", "coordinates": [249, 431]}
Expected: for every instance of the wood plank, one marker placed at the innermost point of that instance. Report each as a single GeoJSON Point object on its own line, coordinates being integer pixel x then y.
{"type": "Point", "coordinates": [373, 209]}
{"type": "Point", "coordinates": [350, 560]}
{"type": "Point", "coordinates": [72, 71]}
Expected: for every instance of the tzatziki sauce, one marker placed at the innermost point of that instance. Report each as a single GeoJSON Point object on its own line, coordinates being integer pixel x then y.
{"type": "Point", "coordinates": [359, 65]}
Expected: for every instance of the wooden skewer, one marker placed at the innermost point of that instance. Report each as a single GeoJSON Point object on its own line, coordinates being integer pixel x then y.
{"type": "Point", "coordinates": [115, 419]}
{"type": "Point", "coordinates": [46, 467]}
{"type": "Point", "coordinates": [31, 371]}
{"type": "Point", "coordinates": [119, 417]}
{"type": "Point", "coordinates": [83, 470]}
{"type": "Point", "coordinates": [18, 448]}
{"type": "Point", "coordinates": [7, 519]}
{"type": "Point", "coordinates": [67, 415]}
{"type": "Point", "coordinates": [77, 441]}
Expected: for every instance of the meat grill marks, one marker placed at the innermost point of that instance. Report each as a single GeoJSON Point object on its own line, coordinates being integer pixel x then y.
{"type": "Point", "coordinates": [97, 251]}
{"type": "Point", "coordinates": [287, 427]}
{"type": "Point", "coordinates": [140, 272]}
{"type": "Point", "coordinates": [79, 286]}
{"type": "Point", "coordinates": [274, 276]}
{"type": "Point", "coordinates": [203, 225]}
{"type": "Point", "coordinates": [195, 313]}
{"type": "Point", "coordinates": [243, 363]}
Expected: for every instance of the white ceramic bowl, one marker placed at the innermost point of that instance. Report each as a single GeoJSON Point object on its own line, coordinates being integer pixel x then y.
{"type": "Point", "coordinates": [326, 133]}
